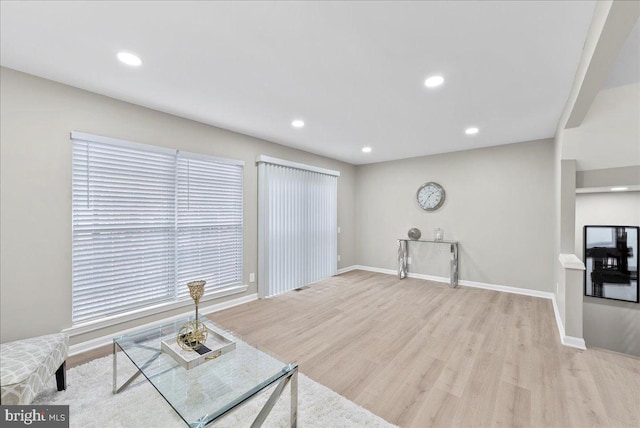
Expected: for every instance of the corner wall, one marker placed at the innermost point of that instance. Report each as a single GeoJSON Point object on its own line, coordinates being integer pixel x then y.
{"type": "Point", "coordinates": [37, 116]}
{"type": "Point", "coordinates": [609, 324]}
{"type": "Point", "coordinates": [499, 205]}
{"type": "Point", "coordinates": [584, 123]}
{"type": "Point", "coordinates": [602, 152]}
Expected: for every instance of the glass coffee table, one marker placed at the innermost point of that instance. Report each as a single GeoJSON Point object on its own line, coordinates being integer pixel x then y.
{"type": "Point", "coordinates": [213, 389]}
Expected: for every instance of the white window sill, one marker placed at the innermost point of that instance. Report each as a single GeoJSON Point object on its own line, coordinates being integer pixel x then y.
{"type": "Point", "coordinates": [94, 325]}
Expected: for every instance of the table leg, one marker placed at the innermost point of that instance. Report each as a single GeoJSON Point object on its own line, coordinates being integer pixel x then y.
{"type": "Point", "coordinates": [403, 253]}
{"type": "Point", "coordinates": [454, 266]}
{"type": "Point", "coordinates": [264, 412]}
{"type": "Point", "coordinates": [115, 369]}
{"type": "Point", "coordinates": [294, 399]}
{"type": "Point", "coordinates": [116, 390]}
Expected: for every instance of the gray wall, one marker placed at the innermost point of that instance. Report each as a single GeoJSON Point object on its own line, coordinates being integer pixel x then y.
{"type": "Point", "coordinates": [499, 205]}
{"type": "Point", "coordinates": [609, 324]}
{"type": "Point", "coordinates": [567, 205]}
{"type": "Point", "coordinates": [609, 176]}
{"type": "Point", "coordinates": [35, 254]}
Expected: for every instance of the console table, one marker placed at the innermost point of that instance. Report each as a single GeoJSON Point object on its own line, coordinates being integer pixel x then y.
{"type": "Point", "coordinates": [403, 254]}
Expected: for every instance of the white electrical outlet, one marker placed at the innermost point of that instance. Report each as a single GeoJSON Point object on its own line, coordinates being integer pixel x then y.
{"type": "Point", "coordinates": [408, 260]}
{"type": "Point", "coordinates": [338, 257]}
{"type": "Point", "coordinates": [252, 277]}
{"type": "Point", "coordinates": [338, 229]}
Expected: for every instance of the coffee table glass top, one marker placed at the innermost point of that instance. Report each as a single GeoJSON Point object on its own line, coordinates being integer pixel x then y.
{"type": "Point", "coordinates": [204, 393]}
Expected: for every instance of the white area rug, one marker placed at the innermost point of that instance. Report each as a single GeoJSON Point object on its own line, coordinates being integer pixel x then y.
{"type": "Point", "coordinates": [92, 403]}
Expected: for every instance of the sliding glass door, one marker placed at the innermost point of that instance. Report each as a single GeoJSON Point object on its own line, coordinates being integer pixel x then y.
{"type": "Point", "coordinates": [297, 225]}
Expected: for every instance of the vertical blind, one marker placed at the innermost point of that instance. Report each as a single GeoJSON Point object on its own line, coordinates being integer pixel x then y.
{"type": "Point", "coordinates": [147, 220]}
{"type": "Point", "coordinates": [297, 225]}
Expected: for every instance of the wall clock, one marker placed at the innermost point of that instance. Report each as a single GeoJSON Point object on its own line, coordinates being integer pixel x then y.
{"type": "Point", "coordinates": [430, 196]}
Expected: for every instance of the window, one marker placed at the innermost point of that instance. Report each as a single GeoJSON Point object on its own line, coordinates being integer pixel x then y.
{"type": "Point", "coordinates": [146, 220]}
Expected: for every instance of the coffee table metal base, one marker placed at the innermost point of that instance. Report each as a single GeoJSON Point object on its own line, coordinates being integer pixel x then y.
{"type": "Point", "coordinates": [289, 377]}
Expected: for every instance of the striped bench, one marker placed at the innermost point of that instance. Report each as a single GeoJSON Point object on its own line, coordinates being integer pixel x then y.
{"type": "Point", "coordinates": [27, 365]}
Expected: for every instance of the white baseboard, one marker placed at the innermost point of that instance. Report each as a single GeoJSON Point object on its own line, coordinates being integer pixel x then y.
{"type": "Point", "coordinates": [346, 269]}
{"type": "Point", "coordinates": [574, 342]}
{"type": "Point", "coordinates": [89, 345]}
{"type": "Point", "coordinates": [474, 284]}
{"type": "Point", "coordinates": [375, 269]}
{"type": "Point", "coordinates": [428, 277]}
{"type": "Point", "coordinates": [571, 341]}
{"type": "Point", "coordinates": [506, 289]}
{"type": "Point", "coordinates": [410, 274]}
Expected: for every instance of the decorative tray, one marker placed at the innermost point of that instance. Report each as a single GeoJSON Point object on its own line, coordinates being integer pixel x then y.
{"type": "Point", "coordinates": [216, 345]}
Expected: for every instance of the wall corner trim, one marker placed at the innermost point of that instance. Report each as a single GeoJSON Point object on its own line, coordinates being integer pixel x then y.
{"type": "Point", "coordinates": [346, 269]}
{"type": "Point", "coordinates": [574, 342]}
{"type": "Point", "coordinates": [571, 341]}
{"type": "Point", "coordinates": [571, 261]}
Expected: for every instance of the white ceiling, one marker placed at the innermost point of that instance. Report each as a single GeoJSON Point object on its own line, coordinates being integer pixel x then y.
{"type": "Point", "coordinates": [353, 71]}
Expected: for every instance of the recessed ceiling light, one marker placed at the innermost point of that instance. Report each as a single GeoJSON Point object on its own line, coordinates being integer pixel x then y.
{"type": "Point", "coordinates": [297, 123]}
{"type": "Point", "coordinates": [619, 189]}
{"type": "Point", "coordinates": [366, 149]}
{"type": "Point", "coordinates": [471, 131]}
{"type": "Point", "coordinates": [129, 59]}
{"type": "Point", "coordinates": [434, 81]}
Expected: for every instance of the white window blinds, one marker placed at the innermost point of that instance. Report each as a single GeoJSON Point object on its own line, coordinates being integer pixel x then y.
{"type": "Point", "coordinates": [297, 225]}
{"type": "Point", "coordinates": [209, 238]}
{"type": "Point", "coordinates": [146, 221]}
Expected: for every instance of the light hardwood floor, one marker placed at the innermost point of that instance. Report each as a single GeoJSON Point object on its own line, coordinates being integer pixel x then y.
{"type": "Point", "coordinates": [420, 354]}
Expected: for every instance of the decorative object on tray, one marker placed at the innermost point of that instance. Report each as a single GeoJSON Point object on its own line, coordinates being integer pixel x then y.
{"type": "Point", "coordinates": [438, 235]}
{"type": "Point", "coordinates": [194, 333]}
{"type": "Point", "coordinates": [196, 342]}
{"type": "Point", "coordinates": [414, 233]}
{"type": "Point", "coordinates": [216, 344]}
{"type": "Point", "coordinates": [611, 261]}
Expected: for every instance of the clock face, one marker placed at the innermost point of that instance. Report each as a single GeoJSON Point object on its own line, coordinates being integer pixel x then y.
{"type": "Point", "coordinates": [430, 196]}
